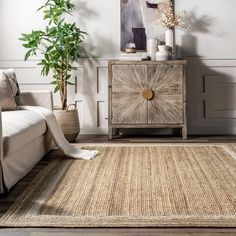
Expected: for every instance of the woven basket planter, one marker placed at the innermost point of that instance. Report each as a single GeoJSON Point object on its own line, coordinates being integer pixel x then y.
{"type": "Point", "coordinates": [69, 121]}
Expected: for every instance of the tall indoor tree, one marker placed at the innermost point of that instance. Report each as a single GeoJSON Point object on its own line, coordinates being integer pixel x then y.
{"type": "Point", "coordinates": [59, 43]}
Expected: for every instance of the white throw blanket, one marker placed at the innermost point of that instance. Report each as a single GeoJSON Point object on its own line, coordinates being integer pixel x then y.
{"type": "Point", "coordinates": [59, 137]}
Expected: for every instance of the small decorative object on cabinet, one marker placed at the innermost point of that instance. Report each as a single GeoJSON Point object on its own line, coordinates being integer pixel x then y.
{"type": "Point", "coordinates": [163, 54]}
{"type": "Point", "coordinates": [131, 48]}
{"type": "Point", "coordinates": [152, 48]}
{"type": "Point", "coordinates": [147, 94]}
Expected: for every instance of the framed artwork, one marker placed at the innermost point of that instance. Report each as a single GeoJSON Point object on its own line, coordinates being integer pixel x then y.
{"type": "Point", "coordinates": [139, 21]}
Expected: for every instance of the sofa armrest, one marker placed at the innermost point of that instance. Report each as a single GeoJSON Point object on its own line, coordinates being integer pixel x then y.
{"type": "Point", "coordinates": [38, 98]}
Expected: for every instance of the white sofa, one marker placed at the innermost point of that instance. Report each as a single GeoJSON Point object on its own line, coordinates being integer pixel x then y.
{"type": "Point", "coordinates": [24, 139]}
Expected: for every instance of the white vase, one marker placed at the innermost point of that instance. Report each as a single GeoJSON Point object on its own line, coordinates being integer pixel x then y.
{"type": "Point", "coordinates": [169, 39]}
{"type": "Point", "coordinates": [163, 53]}
{"type": "Point", "coordinates": [152, 48]}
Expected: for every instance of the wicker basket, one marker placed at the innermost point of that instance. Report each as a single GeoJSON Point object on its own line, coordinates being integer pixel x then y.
{"type": "Point", "coordinates": [69, 121]}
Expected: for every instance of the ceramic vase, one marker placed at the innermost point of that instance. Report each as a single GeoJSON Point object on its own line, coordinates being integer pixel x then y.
{"type": "Point", "coordinates": [163, 53]}
{"type": "Point", "coordinates": [152, 48]}
{"type": "Point", "coordinates": [169, 39]}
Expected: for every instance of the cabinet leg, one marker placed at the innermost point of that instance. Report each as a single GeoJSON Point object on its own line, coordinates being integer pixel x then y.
{"type": "Point", "coordinates": [184, 133]}
{"type": "Point", "coordinates": [109, 133]}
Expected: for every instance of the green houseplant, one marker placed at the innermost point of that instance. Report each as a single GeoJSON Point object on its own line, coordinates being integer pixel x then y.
{"type": "Point", "coordinates": [59, 44]}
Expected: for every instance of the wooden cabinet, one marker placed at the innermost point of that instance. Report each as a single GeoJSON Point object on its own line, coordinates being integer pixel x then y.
{"type": "Point", "coordinates": [147, 94]}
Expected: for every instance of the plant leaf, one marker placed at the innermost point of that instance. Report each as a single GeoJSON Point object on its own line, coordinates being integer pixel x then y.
{"type": "Point", "coordinates": [54, 82]}
{"type": "Point", "coordinates": [70, 83]}
{"type": "Point", "coordinates": [27, 55]}
{"type": "Point", "coordinates": [56, 89]}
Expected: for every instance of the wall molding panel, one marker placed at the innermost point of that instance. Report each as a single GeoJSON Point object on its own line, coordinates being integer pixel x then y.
{"type": "Point", "coordinates": [89, 93]}
{"type": "Point", "coordinates": [211, 96]}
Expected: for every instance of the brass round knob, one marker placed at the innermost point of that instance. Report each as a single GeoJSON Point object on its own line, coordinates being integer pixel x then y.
{"type": "Point", "coordinates": [148, 94]}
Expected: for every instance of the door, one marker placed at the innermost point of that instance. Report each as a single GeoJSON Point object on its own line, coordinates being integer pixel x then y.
{"type": "Point", "coordinates": [166, 84]}
{"type": "Point", "coordinates": [128, 83]}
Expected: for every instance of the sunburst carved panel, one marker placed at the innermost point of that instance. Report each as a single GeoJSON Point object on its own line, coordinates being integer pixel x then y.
{"type": "Point", "coordinates": [147, 94]}
{"type": "Point", "coordinates": [128, 83]}
{"type": "Point", "coordinates": [166, 82]}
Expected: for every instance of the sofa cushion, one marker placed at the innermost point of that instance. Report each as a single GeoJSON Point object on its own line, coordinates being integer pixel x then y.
{"type": "Point", "coordinates": [7, 101]}
{"type": "Point", "coordinates": [20, 128]}
{"type": "Point", "coordinates": [11, 76]}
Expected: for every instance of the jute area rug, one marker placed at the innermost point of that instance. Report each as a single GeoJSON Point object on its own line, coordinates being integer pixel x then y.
{"type": "Point", "coordinates": [133, 185]}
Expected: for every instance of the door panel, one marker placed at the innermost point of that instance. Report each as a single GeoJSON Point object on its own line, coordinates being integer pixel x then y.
{"type": "Point", "coordinates": [128, 105]}
{"type": "Point", "coordinates": [166, 82]}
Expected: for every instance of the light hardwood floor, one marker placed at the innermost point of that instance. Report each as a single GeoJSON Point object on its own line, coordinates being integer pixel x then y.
{"type": "Point", "coordinates": [7, 199]}
{"type": "Point", "coordinates": [117, 232]}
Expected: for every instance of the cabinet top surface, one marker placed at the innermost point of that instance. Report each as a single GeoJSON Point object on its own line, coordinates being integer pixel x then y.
{"type": "Point", "coordinates": [133, 62]}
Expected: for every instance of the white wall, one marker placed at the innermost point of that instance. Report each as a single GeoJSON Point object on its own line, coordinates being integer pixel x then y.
{"type": "Point", "coordinates": [212, 34]}
{"type": "Point", "coordinates": [100, 19]}
{"type": "Point", "coordinates": [209, 47]}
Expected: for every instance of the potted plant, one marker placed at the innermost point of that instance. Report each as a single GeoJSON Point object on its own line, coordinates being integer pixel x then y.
{"type": "Point", "coordinates": [59, 45]}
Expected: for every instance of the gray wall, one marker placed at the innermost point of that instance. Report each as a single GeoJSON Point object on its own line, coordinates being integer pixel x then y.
{"type": "Point", "coordinates": [209, 47]}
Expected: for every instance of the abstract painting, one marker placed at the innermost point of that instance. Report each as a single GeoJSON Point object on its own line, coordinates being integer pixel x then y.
{"type": "Point", "coordinates": [139, 21]}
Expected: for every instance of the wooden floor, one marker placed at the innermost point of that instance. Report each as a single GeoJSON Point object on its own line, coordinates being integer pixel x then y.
{"type": "Point", "coordinates": [7, 199]}
{"type": "Point", "coordinates": [117, 232]}
{"type": "Point", "coordinates": [156, 139]}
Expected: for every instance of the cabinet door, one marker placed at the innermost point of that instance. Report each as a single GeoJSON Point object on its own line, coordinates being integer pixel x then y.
{"type": "Point", "coordinates": [128, 106]}
{"type": "Point", "coordinates": [166, 83]}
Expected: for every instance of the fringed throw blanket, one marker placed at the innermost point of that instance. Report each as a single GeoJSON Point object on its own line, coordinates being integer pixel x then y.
{"type": "Point", "coordinates": [58, 136]}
